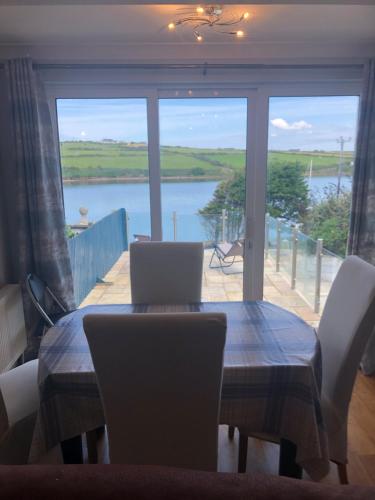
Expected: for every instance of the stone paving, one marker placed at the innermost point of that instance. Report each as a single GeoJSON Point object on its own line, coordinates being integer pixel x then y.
{"type": "Point", "coordinates": [216, 287]}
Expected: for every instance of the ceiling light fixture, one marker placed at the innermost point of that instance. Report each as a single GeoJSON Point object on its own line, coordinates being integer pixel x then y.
{"type": "Point", "coordinates": [208, 17]}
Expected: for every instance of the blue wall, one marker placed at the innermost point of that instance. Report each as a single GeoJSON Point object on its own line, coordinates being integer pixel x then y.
{"type": "Point", "coordinates": [94, 251]}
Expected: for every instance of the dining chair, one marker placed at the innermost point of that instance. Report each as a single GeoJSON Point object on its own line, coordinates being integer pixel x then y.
{"type": "Point", "coordinates": [166, 272]}
{"type": "Point", "coordinates": [160, 377]}
{"type": "Point", "coordinates": [19, 402]}
{"type": "Point", "coordinates": [39, 293]}
{"type": "Point", "coordinates": [345, 327]}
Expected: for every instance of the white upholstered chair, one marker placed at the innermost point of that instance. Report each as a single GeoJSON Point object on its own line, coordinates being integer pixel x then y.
{"type": "Point", "coordinates": [346, 324]}
{"type": "Point", "coordinates": [160, 379]}
{"type": "Point", "coordinates": [166, 272]}
{"type": "Point", "coordinates": [345, 327]}
{"type": "Point", "coordinates": [19, 402]}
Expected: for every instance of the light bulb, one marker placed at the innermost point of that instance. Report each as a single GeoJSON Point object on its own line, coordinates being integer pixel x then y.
{"type": "Point", "coordinates": [200, 10]}
{"type": "Point", "coordinates": [246, 15]}
{"type": "Point", "coordinates": [240, 34]}
{"type": "Point", "coordinates": [171, 26]}
{"type": "Point", "coordinates": [199, 38]}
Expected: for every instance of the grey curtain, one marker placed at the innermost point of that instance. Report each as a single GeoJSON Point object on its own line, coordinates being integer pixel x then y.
{"type": "Point", "coordinates": [41, 242]}
{"type": "Point", "coordinates": [362, 224]}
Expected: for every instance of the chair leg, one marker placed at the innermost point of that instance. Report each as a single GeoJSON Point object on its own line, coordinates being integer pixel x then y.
{"type": "Point", "coordinates": [242, 453]}
{"type": "Point", "coordinates": [212, 256]}
{"type": "Point", "coordinates": [343, 473]}
{"type": "Point", "coordinates": [231, 431]}
{"type": "Point", "coordinates": [92, 450]}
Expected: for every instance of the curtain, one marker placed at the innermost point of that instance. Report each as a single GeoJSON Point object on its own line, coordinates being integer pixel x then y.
{"type": "Point", "coordinates": [41, 242]}
{"type": "Point", "coordinates": [362, 224]}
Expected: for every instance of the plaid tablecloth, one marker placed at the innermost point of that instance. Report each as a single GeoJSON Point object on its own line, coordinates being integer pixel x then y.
{"type": "Point", "coordinates": [271, 382]}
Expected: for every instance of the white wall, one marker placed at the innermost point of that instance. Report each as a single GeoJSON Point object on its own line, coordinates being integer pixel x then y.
{"type": "Point", "coordinates": [257, 52]}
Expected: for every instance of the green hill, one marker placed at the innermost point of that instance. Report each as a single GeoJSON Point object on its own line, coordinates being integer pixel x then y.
{"type": "Point", "coordinates": [85, 159]}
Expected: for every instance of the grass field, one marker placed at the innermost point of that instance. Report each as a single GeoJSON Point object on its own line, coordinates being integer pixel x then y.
{"type": "Point", "coordinates": [81, 160]}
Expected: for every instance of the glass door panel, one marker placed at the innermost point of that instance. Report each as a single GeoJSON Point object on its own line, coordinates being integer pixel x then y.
{"type": "Point", "coordinates": [104, 159]}
{"type": "Point", "coordinates": [104, 163]}
{"type": "Point", "coordinates": [309, 178]}
{"type": "Point", "coordinates": [203, 170]}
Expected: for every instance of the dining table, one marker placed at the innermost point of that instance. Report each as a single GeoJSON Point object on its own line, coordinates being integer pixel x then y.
{"type": "Point", "coordinates": [271, 381]}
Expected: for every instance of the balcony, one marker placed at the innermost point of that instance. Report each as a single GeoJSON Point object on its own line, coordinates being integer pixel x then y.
{"type": "Point", "coordinates": [216, 287]}
{"type": "Point", "coordinates": [298, 271]}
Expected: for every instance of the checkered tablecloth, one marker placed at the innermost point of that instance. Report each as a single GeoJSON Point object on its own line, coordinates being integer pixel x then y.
{"type": "Point", "coordinates": [271, 382]}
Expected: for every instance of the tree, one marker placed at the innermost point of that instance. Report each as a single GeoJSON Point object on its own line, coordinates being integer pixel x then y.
{"type": "Point", "coordinates": [229, 195]}
{"type": "Point", "coordinates": [287, 192]}
{"type": "Point", "coordinates": [329, 219]}
{"type": "Point", "coordinates": [287, 196]}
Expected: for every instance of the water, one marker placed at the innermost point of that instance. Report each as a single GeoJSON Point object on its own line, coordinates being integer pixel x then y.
{"type": "Point", "coordinates": [185, 198]}
{"type": "Point", "coordinates": [318, 184]}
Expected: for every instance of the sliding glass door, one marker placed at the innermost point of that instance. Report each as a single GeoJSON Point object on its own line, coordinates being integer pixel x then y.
{"type": "Point", "coordinates": [263, 181]}
{"type": "Point", "coordinates": [311, 150]}
{"type": "Point", "coordinates": [203, 143]}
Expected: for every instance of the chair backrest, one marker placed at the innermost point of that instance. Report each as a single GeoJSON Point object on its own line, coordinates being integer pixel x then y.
{"type": "Point", "coordinates": [166, 272]}
{"type": "Point", "coordinates": [38, 291]}
{"type": "Point", "coordinates": [347, 322]}
{"type": "Point", "coordinates": [237, 248]}
{"type": "Point", "coordinates": [160, 377]}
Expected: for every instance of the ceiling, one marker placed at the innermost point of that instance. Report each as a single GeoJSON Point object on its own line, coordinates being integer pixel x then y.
{"type": "Point", "coordinates": [147, 24]}
{"type": "Point", "coordinates": [141, 25]}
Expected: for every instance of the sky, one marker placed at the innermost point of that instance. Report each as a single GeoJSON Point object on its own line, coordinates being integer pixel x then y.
{"type": "Point", "coordinates": [305, 123]}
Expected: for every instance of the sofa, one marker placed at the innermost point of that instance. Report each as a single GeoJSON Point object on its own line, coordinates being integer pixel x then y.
{"type": "Point", "coordinates": [127, 482]}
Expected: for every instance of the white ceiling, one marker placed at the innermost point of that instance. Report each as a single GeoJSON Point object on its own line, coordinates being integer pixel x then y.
{"type": "Point", "coordinates": [146, 24]}
{"type": "Point", "coordinates": [138, 32]}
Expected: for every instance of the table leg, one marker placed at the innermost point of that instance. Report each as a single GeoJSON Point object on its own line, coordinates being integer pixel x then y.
{"type": "Point", "coordinates": [287, 463]}
{"type": "Point", "coordinates": [72, 450]}
{"type": "Point", "coordinates": [242, 453]}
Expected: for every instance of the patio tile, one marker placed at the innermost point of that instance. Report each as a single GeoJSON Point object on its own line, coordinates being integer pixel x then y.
{"type": "Point", "coordinates": [216, 287]}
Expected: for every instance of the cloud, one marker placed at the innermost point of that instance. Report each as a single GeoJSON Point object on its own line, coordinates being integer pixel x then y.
{"type": "Point", "coordinates": [284, 125]}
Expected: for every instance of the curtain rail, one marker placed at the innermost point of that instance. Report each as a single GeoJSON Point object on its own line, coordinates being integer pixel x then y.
{"type": "Point", "coordinates": [198, 66]}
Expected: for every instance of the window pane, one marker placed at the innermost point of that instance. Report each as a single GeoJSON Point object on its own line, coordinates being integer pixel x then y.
{"type": "Point", "coordinates": [104, 160]}
{"type": "Point", "coordinates": [203, 165]}
{"type": "Point", "coordinates": [310, 167]}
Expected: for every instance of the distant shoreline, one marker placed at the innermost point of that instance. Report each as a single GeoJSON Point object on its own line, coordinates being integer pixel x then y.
{"type": "Point", "coordinates": [140, 180]}
{"type": "Point", "coordinates": [144, 180]}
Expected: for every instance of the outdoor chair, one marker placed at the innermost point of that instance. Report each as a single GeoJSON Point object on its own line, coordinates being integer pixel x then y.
{"type": "Point", "coordinates": [141, 237]}
{"type": "Point", "coordinates": [226, 253]}
{"type": "Point", "coordinates": [159, 378]}
{"type": "Point", "coordinates": [346, 325]}
{"type": "Point", "coordinates": [40, 293]}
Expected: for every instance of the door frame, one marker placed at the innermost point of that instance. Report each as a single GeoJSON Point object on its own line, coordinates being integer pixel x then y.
{"type": "Point", "coordinates": [252, 193]}
{"type": "Point", "coordinates": [258, 95]}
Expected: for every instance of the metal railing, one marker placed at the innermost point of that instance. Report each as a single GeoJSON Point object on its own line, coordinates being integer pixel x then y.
{"type": "Point", "coordinates": [304, 262]}
{"type": "Point", "coordinates": [310, 268]}
{"type": "Point", "coordinates": [95, 250]}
